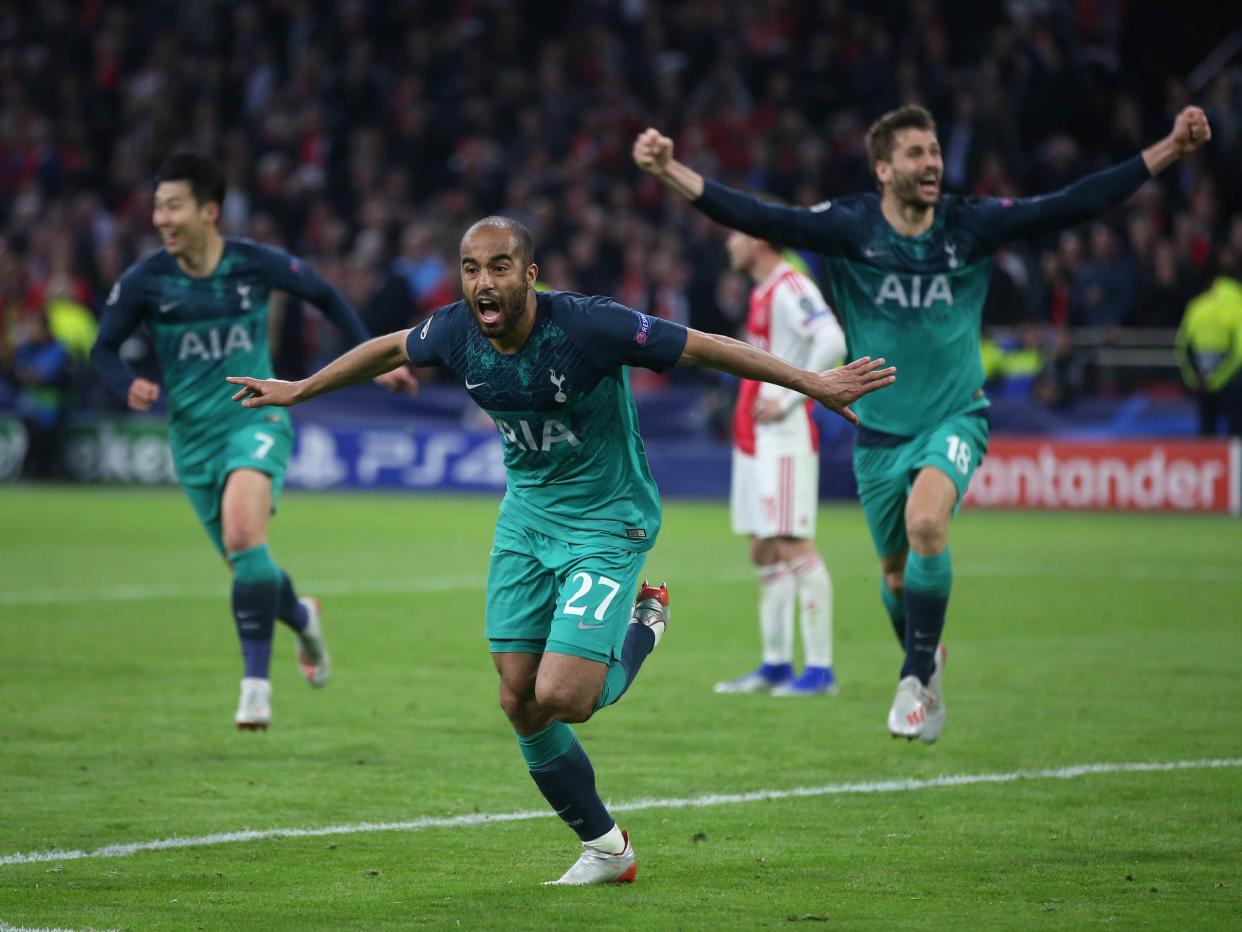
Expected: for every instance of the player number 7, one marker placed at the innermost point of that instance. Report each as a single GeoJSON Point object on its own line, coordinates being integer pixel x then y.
{"type": "Point", "coordinates": [585, 587]}
{"type": "Point", "coordinates": [266, 441]}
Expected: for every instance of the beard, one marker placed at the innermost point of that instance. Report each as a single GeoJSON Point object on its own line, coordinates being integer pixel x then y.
{"type": "Point", "coordinates": [498, 319]}
{"type": "Point", "coordinates": [907, 190]}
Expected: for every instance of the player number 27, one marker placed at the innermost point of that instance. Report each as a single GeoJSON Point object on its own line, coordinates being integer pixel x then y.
{"type": "Point", "coordinates": [266, 441]}
{"type": "Point", "coordinates": [585, 585]}
{"type": "Point", "coordinates": [959, 453]}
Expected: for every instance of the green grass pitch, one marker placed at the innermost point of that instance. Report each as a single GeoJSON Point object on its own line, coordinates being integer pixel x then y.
{"type": "Point", "coordinates": [1073, 640]}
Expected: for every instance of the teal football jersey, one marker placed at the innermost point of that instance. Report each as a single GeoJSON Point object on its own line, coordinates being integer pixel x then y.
{"type": "Point", "coordinates": [204, 329]}
{"type": "Point", "coordinates": [575, 464]}
{"type": "Point", "coordinates": [918, 300]}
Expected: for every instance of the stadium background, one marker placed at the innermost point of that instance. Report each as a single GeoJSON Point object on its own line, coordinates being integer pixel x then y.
{"type": "Point", "coordinates": [1089, 775]}
{"type": "Point", "coordinates": [365, 137]}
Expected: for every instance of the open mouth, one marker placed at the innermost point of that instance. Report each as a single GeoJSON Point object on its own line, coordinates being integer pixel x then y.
{"type": "Point", "coordinates": [929, 185]}
{"type": "Point", "coordinates": [489, 310]}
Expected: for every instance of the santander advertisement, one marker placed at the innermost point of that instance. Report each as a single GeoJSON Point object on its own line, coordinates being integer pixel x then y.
{"type": "Point", "coordinates": [1131, 475]}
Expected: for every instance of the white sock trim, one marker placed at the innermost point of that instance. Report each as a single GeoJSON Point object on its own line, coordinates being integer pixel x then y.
{"type": "Point", "coordinates": [611, 842]}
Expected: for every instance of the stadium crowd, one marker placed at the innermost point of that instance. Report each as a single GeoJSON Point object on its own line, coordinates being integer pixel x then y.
{"type": "Point", "coordinates": [365, 136]}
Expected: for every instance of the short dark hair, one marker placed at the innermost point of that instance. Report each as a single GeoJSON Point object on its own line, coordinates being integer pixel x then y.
{"type": "Point", "coordinates": [204, 176]}
{"type": "Point", "coordinates": [882, 136]}
{"type": "Point", "coordinates": [525, 242]}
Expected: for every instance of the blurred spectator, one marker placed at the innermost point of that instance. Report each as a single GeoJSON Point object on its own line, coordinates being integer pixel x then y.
{"type": "Point", "coordinates": [366, 137]}
{"type": "Point", "coordinates": [1209, 348]}
{"type": "Point", "coordinates": [1103, 293]}
{"type": "Point", "coordinates": [43, 369]}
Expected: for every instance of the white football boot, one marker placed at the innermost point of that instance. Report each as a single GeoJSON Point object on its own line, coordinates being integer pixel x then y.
{"type": "Point", "coordinates": [934, 723]}
{"type": "Point", "coordinates": [909, 712]}
{"type": "Point", "coordinates": [312, 654]}
{"type": "Point", "coordinates": [254, 709]}
{"type": "Point", "coordinates": [596, 866]}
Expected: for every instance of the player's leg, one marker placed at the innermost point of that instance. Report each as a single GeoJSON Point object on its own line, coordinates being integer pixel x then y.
{"type": "Point", "coordinates": [893, 592]}
{"type": "Point", "coordinates": [945, 459]}
{"type": "Point", "coordinates": [557, 762]}
{"type": "Point", "coordinates": [264, 448]}
{"type": "Point", "coordinates": [814, 586]}
{"type": "Point", "coordinates": [595, 619]}
{"type": "Point", "coordinates": [883, 485]}
{"type": "Point", "coordinates": [245, 507]}
{"type": "Point", "coordinates": [752, 506]}
{"type": "Point", "coordinates": [522, 598]}
{"type": "Point", "coordinates": [648, 622]}
{"type": "Point", "coordinates": [929, 569]}
{"type": "Point", "coordinates": [797, 510]}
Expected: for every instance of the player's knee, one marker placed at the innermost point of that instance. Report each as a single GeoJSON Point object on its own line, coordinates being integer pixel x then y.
{"type": "Point", "coordinates": [241, 535]}
{"type": "Point", "coordinates": [519, 705]}
{"type": "Point", "coordinates": [764, 551]}
{"type": "Point", "coordinates": [564, 702]}
{"type": "Point", "coordinates": [927, 532]}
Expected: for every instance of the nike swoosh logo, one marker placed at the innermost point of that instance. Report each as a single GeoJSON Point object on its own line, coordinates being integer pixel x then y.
{"type": "Point", "coordinates": [475, 385]}
{"type": "Point", "coordinates": [165, 308]}
{"type": "Point", "coordinates": [872, 253]}
{"type": "Point", "coordinates": [585, 627]}
{"type": "Point", "coordinates": [242, 615]}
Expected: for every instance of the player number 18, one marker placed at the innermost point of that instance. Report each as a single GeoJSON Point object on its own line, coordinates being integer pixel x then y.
{"type": "Point", "coordinates": [959, 453]}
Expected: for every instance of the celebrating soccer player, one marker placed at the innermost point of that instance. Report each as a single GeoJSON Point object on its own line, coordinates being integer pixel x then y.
{"type": "Point", "coordinates": [204, 299]}
{"type": "Point", "coordinates": [581, 509]}
{"type": "Point", "coordinates": [775, 487]}
{"type": "Point", "coordinates": [909, 272]}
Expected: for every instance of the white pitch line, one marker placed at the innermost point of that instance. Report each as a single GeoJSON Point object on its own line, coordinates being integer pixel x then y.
{"type": "Point", "coordinates": [637, 805]}
{"type": "Point", "coordinates": [5, 927]}
{"type": "Point", "coordinates": [172, 591]}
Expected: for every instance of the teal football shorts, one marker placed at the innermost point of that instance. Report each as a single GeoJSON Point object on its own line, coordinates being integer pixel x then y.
{"type": "Point", "coordinates": [885, 474]}
{"type": "Point", "coordinates": [545, 594]}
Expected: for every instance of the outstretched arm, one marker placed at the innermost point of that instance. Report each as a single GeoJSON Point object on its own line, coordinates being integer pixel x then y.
{"type": "Point", "coordinates": [363, 362]}
{"type": "Point", "coordinates": [1002, 220]}
{"type": "Point", "coordinates": [821, 230]}
{"type": "Point", "coordinates": [834, 389]}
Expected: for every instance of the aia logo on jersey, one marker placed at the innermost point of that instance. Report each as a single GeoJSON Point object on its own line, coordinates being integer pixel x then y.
{"type": "Point", "coordinates": [644, 329]}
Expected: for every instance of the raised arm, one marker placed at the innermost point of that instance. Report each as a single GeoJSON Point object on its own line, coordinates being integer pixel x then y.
{"type": "Point", "coordinates": [1001, 220]}
{"type": "Point", "coordinates": [834, 389]}
{"type": "Point", "coordinates": [362, 363]}
{"type": "Point", "coordinates": [820, 230]}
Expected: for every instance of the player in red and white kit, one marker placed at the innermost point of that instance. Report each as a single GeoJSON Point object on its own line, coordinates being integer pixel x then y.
{"type": "Point", "coordinates": [775, 489]}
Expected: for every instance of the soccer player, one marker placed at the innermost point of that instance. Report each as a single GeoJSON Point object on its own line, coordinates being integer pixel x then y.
{"type": "Point", "coordinates": [580, 511]}
{"type": "Point", "coordinates": [204, 299]}
{"type": "Point", "coordinates": [775, 489]}
{"type": "Point", "coordinates": [909, 271]}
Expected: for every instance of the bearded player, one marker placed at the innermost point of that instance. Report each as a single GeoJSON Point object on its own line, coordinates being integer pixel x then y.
{"type": "Point", "coordinates": [909, 271]}
{"type": "Point", "coordinates": [580, 509]}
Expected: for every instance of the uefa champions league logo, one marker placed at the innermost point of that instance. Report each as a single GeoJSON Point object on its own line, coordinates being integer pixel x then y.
{"type": "Point", "coordinates": [560, 397]}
